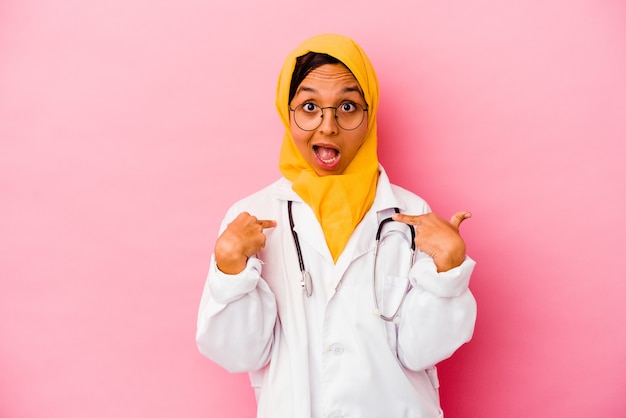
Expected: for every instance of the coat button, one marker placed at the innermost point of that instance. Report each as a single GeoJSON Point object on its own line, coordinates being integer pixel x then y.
{"type": "Point", "coordinates": [335, 414]}
{"type": "Point", "coordinates": [336, 349]}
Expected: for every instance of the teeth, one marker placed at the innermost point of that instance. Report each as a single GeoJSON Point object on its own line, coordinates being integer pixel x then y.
{"type": "Point", "coordinates": [331, 156]}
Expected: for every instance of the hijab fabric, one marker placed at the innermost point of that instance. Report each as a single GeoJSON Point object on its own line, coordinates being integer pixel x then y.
{"type": "Point", "coordinates": [338, 201]}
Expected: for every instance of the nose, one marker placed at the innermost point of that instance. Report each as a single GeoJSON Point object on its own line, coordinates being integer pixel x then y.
{"type": "Point", "coordinates": [329, 124]}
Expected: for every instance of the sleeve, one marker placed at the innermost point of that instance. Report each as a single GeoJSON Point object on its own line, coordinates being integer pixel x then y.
{"type": "Point", "coordinates": [438, 314]}
{"type": "Point", "coordinates": [236, 318]}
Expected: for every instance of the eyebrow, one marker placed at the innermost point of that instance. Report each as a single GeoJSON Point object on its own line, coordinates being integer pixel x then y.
{"type": "Point", "coordinates": [345, 90]}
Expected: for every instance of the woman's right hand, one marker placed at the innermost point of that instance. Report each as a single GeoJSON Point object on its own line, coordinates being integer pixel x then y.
{"type": "Point", "coordinates": [241, 239]}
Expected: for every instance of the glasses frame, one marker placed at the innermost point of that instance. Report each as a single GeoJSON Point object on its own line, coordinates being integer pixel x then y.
{"type": "Point", "coordinates": [364, 108]}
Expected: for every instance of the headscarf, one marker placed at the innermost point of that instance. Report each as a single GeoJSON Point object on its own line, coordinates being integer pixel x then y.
{"type": "Point", "coordinates": [338, 201]}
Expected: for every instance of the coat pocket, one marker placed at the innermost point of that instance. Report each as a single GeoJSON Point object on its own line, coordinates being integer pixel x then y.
{"type": "Point", "coordinates": [394, 290]}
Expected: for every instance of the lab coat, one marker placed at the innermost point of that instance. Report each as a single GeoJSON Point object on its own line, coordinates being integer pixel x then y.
{"type": "Point", "coordinates": [329, 355]}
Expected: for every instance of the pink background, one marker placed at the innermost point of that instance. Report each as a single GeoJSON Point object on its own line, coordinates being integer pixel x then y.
{"type": "Point", "coordinates": [128, 127]}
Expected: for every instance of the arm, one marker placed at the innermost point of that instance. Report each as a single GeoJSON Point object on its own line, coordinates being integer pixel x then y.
{"type": "Point", "coordinates": [237, 311]}
{"type": "Point", "coordinates": [438, 314]}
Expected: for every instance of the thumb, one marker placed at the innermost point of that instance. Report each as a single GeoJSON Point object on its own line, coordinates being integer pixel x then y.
{"type": "Point", "coordinates": [459, 217]}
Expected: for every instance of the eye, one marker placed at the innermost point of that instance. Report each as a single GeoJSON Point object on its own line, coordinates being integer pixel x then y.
{"type": "Point", "coordinates": [347, 107]}
{"type": "Point", "coordinates": [309, 107]}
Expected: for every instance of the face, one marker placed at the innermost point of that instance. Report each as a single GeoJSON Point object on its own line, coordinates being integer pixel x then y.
{"type": "Point", "coordinates": [329, 149]}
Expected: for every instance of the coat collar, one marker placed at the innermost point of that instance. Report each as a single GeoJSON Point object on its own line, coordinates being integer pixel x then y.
{"type": "Point", "coordinates": [385, 198]}
{"type": "Point", "coordinates": [363, 237]}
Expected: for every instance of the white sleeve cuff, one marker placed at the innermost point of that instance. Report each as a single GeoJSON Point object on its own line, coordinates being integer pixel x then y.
{"type": "Point", "coordinates": [446, 284]}
{"type": "Point", "coordinates": [226, 288]}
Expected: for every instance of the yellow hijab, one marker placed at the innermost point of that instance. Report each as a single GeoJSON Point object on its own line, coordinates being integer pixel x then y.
{"type": "Point", "coordinates": [339, 201]}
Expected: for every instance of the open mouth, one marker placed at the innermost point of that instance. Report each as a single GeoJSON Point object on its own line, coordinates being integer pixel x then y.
{"type": "Point", "coordinates": [326, 155]}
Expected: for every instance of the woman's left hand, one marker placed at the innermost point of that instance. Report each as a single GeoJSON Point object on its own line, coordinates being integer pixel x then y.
{"type": "Point", "coordinates": [438, 238]}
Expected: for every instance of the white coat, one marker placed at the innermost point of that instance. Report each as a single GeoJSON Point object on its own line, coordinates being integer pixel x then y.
{"type": "Point", "coordinates": [328, 355]}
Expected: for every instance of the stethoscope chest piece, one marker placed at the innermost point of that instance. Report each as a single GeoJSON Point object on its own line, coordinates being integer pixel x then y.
{"type": "Point", "coordinates": [306, 283]}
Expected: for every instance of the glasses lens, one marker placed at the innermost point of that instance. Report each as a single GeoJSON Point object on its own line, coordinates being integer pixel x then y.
{"type": "Point", "coordinates": [349, 116]}
{"type": "Point", "coordinates": [308, 116]}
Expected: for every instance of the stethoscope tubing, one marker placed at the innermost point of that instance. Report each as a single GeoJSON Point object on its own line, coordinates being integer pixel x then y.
{"type": "Point", "coordinates": [307, 283]}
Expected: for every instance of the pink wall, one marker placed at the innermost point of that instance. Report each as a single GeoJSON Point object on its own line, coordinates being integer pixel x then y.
{"type": "Point", "coordinates": [128, 127]}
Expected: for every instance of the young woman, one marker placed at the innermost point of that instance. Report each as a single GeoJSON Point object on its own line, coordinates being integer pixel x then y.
{"type": "Point", "coordinates": [337, 291]}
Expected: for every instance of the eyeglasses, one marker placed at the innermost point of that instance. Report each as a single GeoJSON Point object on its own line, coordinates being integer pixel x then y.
{"type": "Point", "coordinates": [348, 115]}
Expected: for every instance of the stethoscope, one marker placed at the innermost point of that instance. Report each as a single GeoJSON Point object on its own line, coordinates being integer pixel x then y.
{"type": "Point", "coordinates": [307, 284]}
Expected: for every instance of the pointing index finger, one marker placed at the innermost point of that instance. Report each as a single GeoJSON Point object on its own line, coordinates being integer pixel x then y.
{"type": "Point", "coordinates": [407, 219]}
{"type": "Point", "coordinates": [265, 223]}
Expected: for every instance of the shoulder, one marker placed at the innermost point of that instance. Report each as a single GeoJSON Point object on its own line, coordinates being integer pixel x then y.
{"type": "Point", "coordinates": [410, 202]}
{"type": "Point", "coordinates": [391, 195]}
{"type": "Point", "coordinates": [262, 203]}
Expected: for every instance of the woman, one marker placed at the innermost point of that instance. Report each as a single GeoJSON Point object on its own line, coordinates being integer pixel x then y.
{"type": "Point", "coordinates": [329, 319]}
